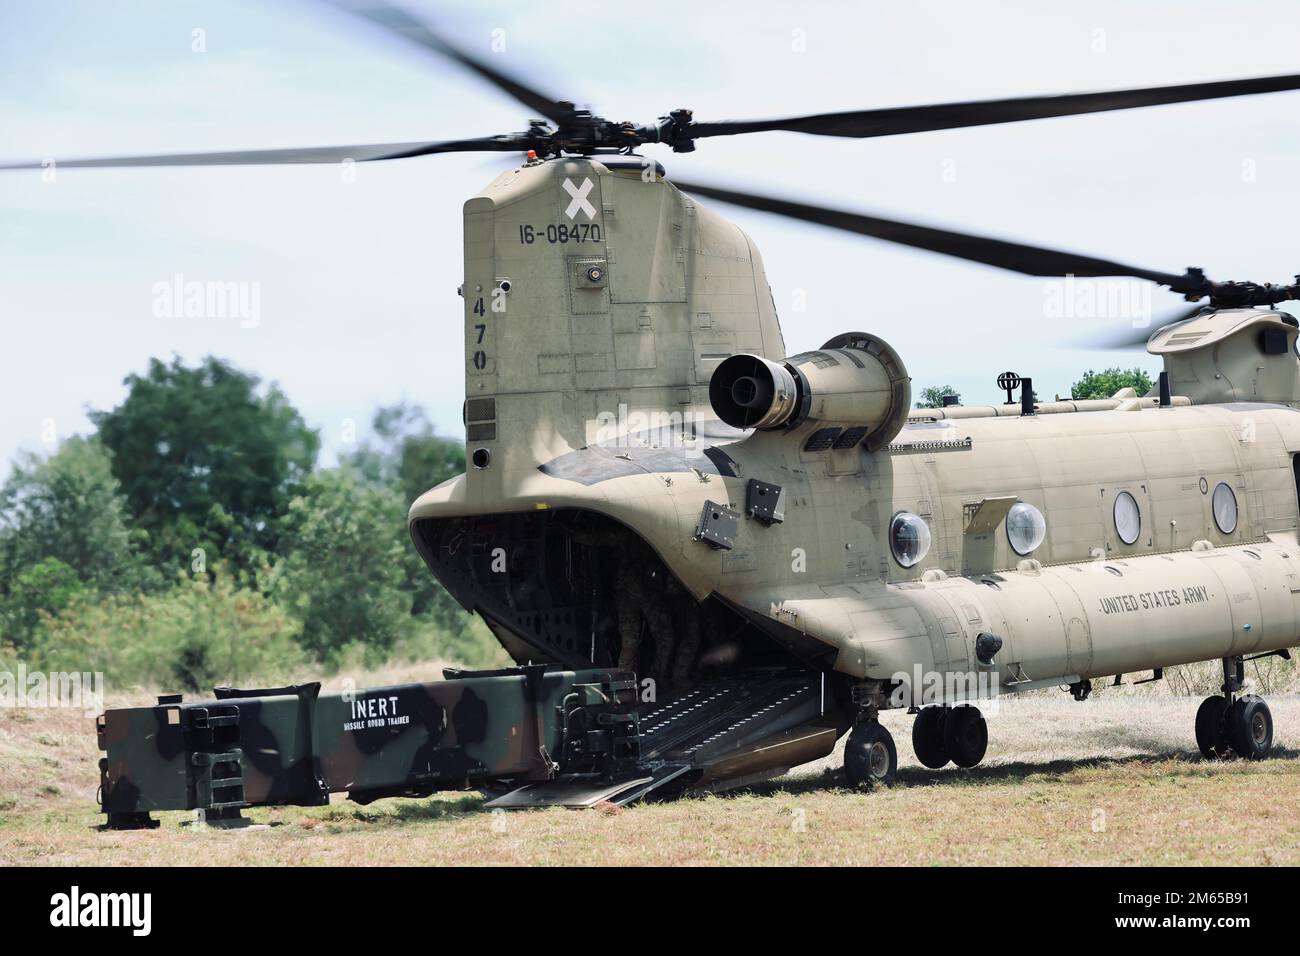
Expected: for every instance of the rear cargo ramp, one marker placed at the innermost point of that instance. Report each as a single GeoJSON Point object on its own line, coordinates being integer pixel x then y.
{"type": "Point", "coordinates": [719, 734]}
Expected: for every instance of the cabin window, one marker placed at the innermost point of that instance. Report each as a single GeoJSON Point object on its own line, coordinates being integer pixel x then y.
{"type": "Point", "coordinates": [1224, 505]}
{"type": "Point", "coordinates": [1026, 528]}
{"type": "Point", "coordinates": [909, 538]}
{"type": "Point", "coordinates": [1128, 517]}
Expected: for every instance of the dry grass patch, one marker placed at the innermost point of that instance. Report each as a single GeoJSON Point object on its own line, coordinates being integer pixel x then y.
{"type": "Point", "coordinates": [1110, 781]}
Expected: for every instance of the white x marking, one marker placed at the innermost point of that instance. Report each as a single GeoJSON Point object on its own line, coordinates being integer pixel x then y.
{"type": "Point", "coordinates": [579, 202]}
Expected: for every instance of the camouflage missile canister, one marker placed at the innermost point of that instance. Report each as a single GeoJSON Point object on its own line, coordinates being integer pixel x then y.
{"type": "Point", "coordinates": [293, 745]}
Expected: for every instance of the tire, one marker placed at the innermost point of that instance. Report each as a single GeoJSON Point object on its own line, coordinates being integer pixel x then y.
{"type": "Point", "coordinates": [927, 737]}
{"type": "Point", "coordinates": [965, 736]}
{"type": "Point", "coordinates": [1210, 736]}
{"type": "Point", "coordinates": [870, 757]}
{"type": "Point", "coordinates": [1249, 726]}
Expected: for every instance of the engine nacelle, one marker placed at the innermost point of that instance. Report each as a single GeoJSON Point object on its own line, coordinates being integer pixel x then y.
{"type": "Point", "coordinates": [855, 381]}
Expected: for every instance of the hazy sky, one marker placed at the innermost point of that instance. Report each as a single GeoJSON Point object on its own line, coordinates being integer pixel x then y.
{"type": "Point", "coordinates": [357, 280]}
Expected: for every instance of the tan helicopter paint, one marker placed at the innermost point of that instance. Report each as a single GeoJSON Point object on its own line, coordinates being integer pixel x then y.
{"type": "Point", "coordinates": [677, 290]}
{"type": "Point", "coordinates": [1056, 621]}
{"type": "Point", "coordinates": [1217, 357]}
{"type": "Point", "coordinates": [682, 289]}
{"type": "Point", "coordinates": [1127, 400]}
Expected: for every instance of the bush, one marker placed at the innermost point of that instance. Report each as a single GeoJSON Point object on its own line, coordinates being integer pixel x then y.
{"type": "Point", "coordinates": [46, 587]}
{"type": "Point", "coordinates": [465, 641]}
{"type": "Point", "coordinates": [344, 574]}
{"type": "Point", "coordinates": [187, 544]}
{"type": "Point", "coordinates": [69, 507]}
{"type": "Point", "coordinates": [192, 637]}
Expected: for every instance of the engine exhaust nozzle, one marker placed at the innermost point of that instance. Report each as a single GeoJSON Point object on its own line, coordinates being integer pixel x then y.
{"type": "Point", "coordinates": [853, 384]}
{"type": "Point", "coordinates": [747, 391]}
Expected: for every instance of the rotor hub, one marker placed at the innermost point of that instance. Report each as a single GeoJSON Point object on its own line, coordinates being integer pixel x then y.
{"type": "Point", "coordinates": [581, 133]}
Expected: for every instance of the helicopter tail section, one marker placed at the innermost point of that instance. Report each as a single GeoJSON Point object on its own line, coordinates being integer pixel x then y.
{"type": "Point", "coordinates": [598, 300]}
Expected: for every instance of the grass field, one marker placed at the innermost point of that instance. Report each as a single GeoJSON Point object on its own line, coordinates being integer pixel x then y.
{"type": "Point", "coordinates": [1115, 780]}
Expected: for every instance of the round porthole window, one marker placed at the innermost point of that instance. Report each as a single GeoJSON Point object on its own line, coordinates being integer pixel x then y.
{"type": "Point", "coordinates": [1026, 528]}
{"type": "Point", "coordinates": [909, 538]}
{"type": "Point", "coordinates": [1224, 505]}
{"type": "Point", "coordinates": [1128, 517]}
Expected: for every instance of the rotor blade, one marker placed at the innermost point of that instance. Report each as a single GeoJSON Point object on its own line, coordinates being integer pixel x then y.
{"type": "Point", "coordinates": [1014, 256]}
{"type": "Point", "coordinates": [917, 119]}
{"type": "Point", "coordinates": [398, 21]}
{"type": "Point", "coordinates": [307, 154]}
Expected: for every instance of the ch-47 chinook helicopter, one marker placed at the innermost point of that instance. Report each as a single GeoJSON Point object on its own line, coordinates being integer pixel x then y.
{"type": "Point", "coordinates": [712, 557]}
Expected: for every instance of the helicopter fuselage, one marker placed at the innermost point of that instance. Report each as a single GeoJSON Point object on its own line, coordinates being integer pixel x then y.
{"type": "Point", "coordinates": [825, 584]}
{"type": "Point", "coordinates": [599, 301]}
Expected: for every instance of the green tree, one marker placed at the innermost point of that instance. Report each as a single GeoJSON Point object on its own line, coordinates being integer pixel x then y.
{"type": "Point", "coordinates": [932, 396]}
{"type": "Point", "coordinates": [428, 460]}
{"type": "Point", "coordinates": [406, 457]}
{"type": "Point", "coordinates": [191, 636]}
{"type": "Point", "coordinates": [207, 459]}
{"type": "Point", "coordinates": [45, 588]}
{"type": "Point", "coordinates": [70, 507]}
{"type": "Point", "coordinates": [405, 453]}
{"type": "Point", "coordinates": [1107, 382]}
{"type": "Point", "coordinates": [343, 577]}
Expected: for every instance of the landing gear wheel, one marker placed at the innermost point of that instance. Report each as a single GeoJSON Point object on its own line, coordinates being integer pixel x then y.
{"type": "Point", "coordinates": [869, 756]}
{"type": "Point", "coordinates": [1210, 736]}
{"type": "Point", "coordinates": [927, 737]}
{"type": "Point", "coordinates": [965, 736]}
{"type": "Point", "coordinates": [1249, 727]}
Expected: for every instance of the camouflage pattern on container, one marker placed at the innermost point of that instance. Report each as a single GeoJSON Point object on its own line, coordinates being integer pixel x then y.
{"type": "Point", "coordinates": [293, 745]}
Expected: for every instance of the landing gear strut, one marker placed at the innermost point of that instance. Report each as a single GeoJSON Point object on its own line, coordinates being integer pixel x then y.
{"type": "Point", "coordinates": [1234, 723]}
{"type": "Point", "coordinates": [959, 734]}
